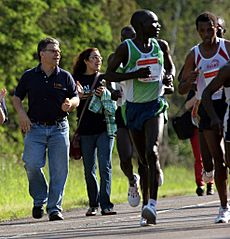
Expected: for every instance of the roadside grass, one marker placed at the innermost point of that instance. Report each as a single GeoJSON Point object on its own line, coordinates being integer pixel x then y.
{"type": "Point", "coordinates": [15, 201]}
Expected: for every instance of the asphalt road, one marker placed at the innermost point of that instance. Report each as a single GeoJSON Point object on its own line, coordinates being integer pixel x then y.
{"type": "Point", "coordinates": [178, 217]}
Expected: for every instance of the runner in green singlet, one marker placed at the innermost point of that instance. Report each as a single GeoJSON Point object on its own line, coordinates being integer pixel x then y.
{"type": "Point", "coordinates": [143, 72]}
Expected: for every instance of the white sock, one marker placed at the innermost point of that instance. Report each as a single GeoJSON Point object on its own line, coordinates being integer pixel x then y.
{"type": "Point", "coordinates": [152, 202]}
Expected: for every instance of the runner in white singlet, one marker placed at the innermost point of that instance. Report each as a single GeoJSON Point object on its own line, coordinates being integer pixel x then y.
{"type": "Point", "coordinates": [201, 65]}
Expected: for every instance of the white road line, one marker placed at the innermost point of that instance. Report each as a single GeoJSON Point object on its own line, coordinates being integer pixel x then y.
{"type": "Point", "coordinates": [171, 210]}
{"type": "Point", "coordinates": [189, 206]}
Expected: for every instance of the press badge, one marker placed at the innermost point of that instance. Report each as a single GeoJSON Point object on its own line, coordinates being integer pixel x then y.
{"type": "Point", "coordinates": [154, 66]}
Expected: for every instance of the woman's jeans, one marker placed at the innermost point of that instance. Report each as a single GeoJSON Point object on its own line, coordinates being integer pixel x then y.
{"type": "Point", "coordinates": [100, 146]}
{"type": "Point", "coordinates": [53, 140]}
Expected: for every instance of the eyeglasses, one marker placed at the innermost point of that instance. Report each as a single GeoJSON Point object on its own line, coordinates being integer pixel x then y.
{"type": "Point", "coordinates": [53, 51]}
{"type": "Point", "coordinates": [99, 58]}
{"type": "Point", "coordinates": [221, 29]}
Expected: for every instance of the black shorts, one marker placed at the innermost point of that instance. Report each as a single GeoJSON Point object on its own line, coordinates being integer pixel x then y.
{"type": "Point", "coordinates": [220, 107]}
{"type": "Point", "coordinates": [119, 119]}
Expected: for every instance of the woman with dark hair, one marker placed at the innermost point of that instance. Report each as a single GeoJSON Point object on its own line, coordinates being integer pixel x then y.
{"type": "Point", "coordinates": [95, 139]}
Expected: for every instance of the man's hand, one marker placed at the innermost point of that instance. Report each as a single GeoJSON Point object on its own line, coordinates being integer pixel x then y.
{"type": "Point", "coordinates": [144, 72]}
{"type": "Point", "coordinates": [193, 76]}
{"type": "Point", "coordinates": [168, 80]}
{"type": "Point", "coordinates": [66, 106]}
{"type": "Point", "coordinates": [24, 122]}
{"type": "Point", "coordinates": [80, 89]}
{"type": "Point", "coordinates": [217, 125]}
{"type": "Point", "coordinates": [115, 94]}
{"type": "Point", "coordinates": [99, 91]}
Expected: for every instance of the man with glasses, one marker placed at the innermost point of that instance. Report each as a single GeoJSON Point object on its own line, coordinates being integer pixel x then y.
{"type": "Point", "coordinates": [51, 95]}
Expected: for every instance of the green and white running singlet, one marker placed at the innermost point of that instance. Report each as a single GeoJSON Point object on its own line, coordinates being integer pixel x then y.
{"type": "Point", "coordinates": [148, 89]}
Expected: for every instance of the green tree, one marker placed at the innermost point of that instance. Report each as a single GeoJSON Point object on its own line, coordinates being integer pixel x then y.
{"type": "Point", "coordinates": [77, 26]}
{"type": "Point", "coordinates": [18, 38]}
{"type": "Point", "coordinates": [118, 14]}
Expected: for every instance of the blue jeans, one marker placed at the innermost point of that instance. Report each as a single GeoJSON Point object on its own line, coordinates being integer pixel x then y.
{"type": "Point", "coordinates": [53, 140]}
{"type": "Point", "coordinates": [100, 145]}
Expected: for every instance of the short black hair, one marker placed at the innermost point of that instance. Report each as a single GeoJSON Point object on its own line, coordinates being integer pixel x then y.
{"type": "Point", "coordinates": [127, 32]}
{"type": "Point", "coordinates": [43, 44]}
{"type": "Point", "coordinates": [206, 17]}
{"type": "Point", "coordinates": [138, 17]}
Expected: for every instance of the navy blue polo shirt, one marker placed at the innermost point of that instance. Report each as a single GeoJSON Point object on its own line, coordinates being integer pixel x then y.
{"type": "Point", "coordinates": [46, 94]}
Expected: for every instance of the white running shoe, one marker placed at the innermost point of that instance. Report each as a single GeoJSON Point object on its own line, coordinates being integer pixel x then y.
{"type": "Point", "coordinates": [143, 222]}
{"type": "Point", "coordinates": [224, 215]}
{"type": "Point", "coordinates": [133, 193]}
{"type": "Point", "coordinates": [208, 177]}
{"type": "Point", "coordinates": [161, 178]}
{"type": "Point", "coordinates": [149, 213]}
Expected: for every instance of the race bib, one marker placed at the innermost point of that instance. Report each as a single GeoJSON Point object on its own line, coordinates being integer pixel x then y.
{"type": "Point", "coordinates": [154, 66]}
{"type": "Point", "coordinates": [209, 75]}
